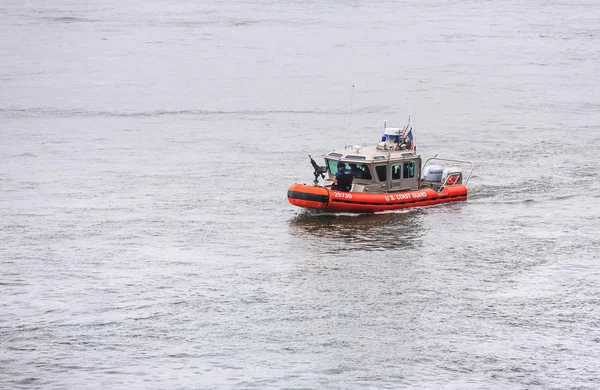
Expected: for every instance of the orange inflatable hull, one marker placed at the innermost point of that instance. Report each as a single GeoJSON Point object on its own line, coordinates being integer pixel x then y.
{"type": "Point", "coordinates": [362, 202]}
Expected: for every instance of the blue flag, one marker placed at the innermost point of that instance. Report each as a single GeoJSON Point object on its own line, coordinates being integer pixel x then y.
{"type": "Point", "coordinates": [409, 135]}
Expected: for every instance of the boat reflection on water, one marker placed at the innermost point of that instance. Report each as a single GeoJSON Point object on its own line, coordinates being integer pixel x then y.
{"type": "Point", "coordinates": [370, 232]}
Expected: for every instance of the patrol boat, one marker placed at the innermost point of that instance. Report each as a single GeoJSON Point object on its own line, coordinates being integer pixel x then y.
{"type": "Point", "coordinates": [387, 176]}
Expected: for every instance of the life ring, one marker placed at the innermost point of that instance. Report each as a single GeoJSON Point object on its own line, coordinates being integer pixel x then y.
{"type": "Point", "coordinates": [451, 180]}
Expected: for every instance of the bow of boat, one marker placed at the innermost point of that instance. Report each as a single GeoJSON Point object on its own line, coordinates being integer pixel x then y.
{"type": "Point", "coordinates": [308, 196]}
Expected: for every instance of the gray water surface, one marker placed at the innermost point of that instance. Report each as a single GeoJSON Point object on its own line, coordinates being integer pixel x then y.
{"type": "Point", "coordinates": [145, 236]}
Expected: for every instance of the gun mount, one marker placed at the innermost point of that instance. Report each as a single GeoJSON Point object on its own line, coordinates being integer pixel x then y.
{"type": "Point", "coordinates": [319, 170]}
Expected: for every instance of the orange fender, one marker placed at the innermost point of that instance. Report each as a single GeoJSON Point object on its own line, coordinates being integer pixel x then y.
{"type": "Point", "coordinates": [363, 202]}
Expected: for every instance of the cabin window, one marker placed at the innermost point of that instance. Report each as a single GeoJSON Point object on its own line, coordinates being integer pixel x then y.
{"type": "Point", "coordinates": [396, 171]}
{"type": "Point", "coordinates": [332, 164]}
{"type": "Point", "coordinates": [360, 171]}
{"type": "Point", "coordinates": [408, 171]}
{"type": "Point", "coordinates": [381, 173]}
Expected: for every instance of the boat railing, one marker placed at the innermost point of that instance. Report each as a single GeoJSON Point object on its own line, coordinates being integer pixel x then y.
{"type": "Point", "coordinates": [436, 158]}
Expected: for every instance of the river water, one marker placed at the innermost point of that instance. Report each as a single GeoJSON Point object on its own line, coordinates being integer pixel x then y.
{"type": "Point", "coordinates": [146, 240]}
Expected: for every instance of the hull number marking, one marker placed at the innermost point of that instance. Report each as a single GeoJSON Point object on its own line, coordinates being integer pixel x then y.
{"type": "Point", "coordinates": [343, 195]}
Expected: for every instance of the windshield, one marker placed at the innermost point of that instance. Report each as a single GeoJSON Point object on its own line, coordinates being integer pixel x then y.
{"type": "Point", "coordinates": [332, 165]}
{"type": "Point", "coordinates": [360, 171]}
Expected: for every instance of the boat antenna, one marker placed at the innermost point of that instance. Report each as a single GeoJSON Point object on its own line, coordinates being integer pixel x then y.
{"type": "Point", "coordinates": [414, 126]}
{"type": "Point", "coordinates": [349, 117]}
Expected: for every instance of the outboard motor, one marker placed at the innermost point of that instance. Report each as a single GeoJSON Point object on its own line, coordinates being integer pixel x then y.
{"type": "Point", "coordinates": [433, 173]}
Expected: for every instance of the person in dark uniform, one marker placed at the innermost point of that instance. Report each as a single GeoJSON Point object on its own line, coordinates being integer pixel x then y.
{"type": "Point", "coordinates": [343, 178]}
